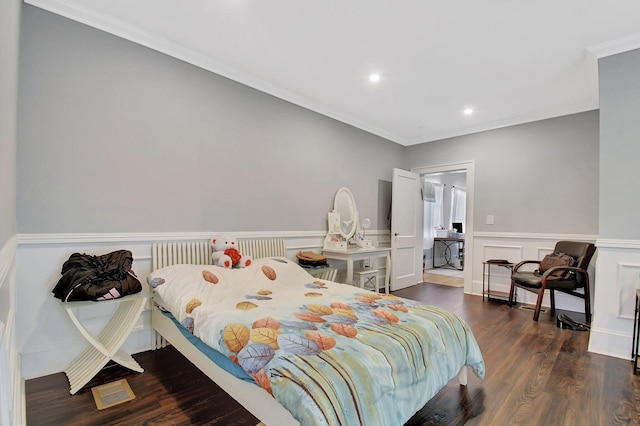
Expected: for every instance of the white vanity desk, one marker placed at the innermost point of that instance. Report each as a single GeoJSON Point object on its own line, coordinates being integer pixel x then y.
{"type": "Point", "coordinates": [354, 254]}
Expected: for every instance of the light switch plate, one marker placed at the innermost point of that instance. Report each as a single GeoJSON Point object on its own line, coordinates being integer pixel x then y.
{"type": "Point", "coordinates": [489, 219]}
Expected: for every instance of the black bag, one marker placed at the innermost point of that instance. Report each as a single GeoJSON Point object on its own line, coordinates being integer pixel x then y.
{"type": "Point", "coordinates": [88, 277]}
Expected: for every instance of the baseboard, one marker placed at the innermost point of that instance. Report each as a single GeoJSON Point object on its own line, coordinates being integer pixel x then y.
{"type": "Point", "coordinates": [610, 343]}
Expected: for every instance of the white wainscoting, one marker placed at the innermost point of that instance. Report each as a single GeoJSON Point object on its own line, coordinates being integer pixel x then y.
{"type": "Point", "coordinates": [47, 338]}
{"type": "Point", "coordinates": [518, 247]}
{"type": "Point", "coordinates": [11, 395]}
{"type": "Point", "coordinates": [48, 341]}
{"type": "Point", "coordinates": [614, 274]}
{"type": "Point", "coordinates": [618, 278]}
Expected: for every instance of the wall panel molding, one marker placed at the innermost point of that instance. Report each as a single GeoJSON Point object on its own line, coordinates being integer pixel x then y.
{"type": "Point", "coordinates": [47, 338]}
{"type": "Point", "coordinates": [626, 284]}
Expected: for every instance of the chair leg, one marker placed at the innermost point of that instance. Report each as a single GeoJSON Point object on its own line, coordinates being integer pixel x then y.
{"type": "Point", "coordinates": [536, 312]}
{"type": "Point", "coordinates": [587, 301]}
{"type": "Point", "coordinates": [511, 293]}
{"type": "Point", "coordinates": [552, 296]}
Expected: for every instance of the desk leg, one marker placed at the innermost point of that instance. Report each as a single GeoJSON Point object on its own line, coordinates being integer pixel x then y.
{"type": "Point", "coordinates": [349, 279]}
{"type": "Point", "coordinates": [483, 276]}
{"type": "Point", "coordinates": [387, 274]}
{"type": "Point", "coordinates": [636, 337]}
{"type": "Point", "coordinates": [433, 255]}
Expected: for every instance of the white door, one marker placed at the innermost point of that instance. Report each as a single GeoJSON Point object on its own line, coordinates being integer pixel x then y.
{"type": "Point", "coordinates": [406, 229]}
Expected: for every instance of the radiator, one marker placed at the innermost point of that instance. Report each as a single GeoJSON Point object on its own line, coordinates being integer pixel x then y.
{"type": "Point", "coordinates": [273, 247]}
{"type": "Point", "coordinates": [192, 252]}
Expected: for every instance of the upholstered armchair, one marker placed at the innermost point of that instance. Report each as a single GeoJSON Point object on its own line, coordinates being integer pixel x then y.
{"type": "Point", "coordinates": [575, 277]}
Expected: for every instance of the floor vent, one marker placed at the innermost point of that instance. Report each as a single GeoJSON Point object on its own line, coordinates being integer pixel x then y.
{"type": "Point", "coordinates": [531, 308]}
{"type": "Point", "coordinates": [112, 394]}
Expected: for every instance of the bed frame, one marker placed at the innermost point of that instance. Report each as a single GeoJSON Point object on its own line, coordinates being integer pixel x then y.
{"type": "Point", "coordinates": [257, 401]}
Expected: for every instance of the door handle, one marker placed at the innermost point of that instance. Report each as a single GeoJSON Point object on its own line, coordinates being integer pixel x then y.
{"type": "Point", "coordinates": [396, 234]}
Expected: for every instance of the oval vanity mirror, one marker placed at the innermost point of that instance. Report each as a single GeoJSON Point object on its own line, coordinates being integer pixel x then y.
{"type": "Point", "coordinates": [345, 204]}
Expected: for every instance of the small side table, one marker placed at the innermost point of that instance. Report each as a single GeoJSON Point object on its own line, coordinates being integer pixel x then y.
{"type": "Point", "coordinates": [486, 272]}
{"type": "Point", "coordinates": [368, 277]}
{"type": "Point", "coordinates": [636, 335]}
{"type": "Point", "coordinates": [107, 345]}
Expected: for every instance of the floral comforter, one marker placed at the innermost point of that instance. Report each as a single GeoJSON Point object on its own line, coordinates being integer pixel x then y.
{"type": "Point", "coordinates": [331, 354]}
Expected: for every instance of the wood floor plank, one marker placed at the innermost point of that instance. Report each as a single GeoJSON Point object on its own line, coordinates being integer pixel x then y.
{"type": "Point", "coordinates": [536, 374]}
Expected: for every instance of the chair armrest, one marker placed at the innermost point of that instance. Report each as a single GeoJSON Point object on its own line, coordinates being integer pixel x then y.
{"type": "Point", "coordinates": [563, 268]}
{"type": "Point", "coordinates": [524, 262]}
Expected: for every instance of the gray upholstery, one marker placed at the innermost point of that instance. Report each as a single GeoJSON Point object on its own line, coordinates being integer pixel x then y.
{"type": "Point", "coordinates": [579, 278]}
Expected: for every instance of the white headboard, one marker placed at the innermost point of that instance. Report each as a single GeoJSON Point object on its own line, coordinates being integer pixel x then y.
{"type": "Point", "coordinates": [199, 252]}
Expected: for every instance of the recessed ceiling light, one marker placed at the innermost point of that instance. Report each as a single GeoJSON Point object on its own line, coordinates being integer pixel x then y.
{"type": "Point", "coordinates": [468, 111]}
{"type": "Point", "coordinates": [374, 78]}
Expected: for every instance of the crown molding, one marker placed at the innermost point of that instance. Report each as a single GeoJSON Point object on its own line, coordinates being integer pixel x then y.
{"type": "Point", "coordinates": [73, 11]}
{"type": "Point", "coordinates": [175, 50]}
{"type": "Point", "coordinates": [602, 50]}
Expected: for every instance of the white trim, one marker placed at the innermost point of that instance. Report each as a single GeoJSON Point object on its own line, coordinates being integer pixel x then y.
{"type": "Point", "coordinates": [44, 356]}
{"type": "Point", "coordinates": [618, 244]}
{"type": "Point", "coordinates": [7, 255]}
{"type": "Point", "coordinates": [613, 47]}
{"type": "Point", "coordinates": [622, 286]}
{"type": "Point", "coordinates": [71, 238]}
{"type": "Point", "coordinates": [545, 114]}
{"type": "Point", "coordinates": [610, 343]}
{"type": "Point", "coordinates": [128, 237]}
{"type": "Point", "coordinates": [10, 385]}
{"type": "Point", "coordinates": [536, 236]}
{"type": "Point", "coordinates": [147, 39]}
{"type": "Point", "coordinates": [602, 50]}
{"type": "Point", "coordinates": [175, 50]}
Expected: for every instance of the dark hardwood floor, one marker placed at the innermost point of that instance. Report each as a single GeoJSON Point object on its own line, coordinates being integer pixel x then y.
{"type": "Point", "coordinates": [536, 374]}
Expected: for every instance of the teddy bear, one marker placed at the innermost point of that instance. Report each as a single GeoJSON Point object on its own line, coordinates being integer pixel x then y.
{"type": "Point", "coordinates": [226, 254]}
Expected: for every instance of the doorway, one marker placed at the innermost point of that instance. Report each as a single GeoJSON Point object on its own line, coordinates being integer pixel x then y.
{"type": "Point", "coordinates": [448, 177]}
{"type": "Point", "coordinates": [444, 225]}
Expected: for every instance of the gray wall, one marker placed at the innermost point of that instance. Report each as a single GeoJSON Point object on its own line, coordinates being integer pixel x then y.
{"type": "Point", "coordinates": [9, 30]}
{"type": "Point", "coordinates": [115, 137]}
{"type": "Point", "coordinates": [619, 133]}
{"type": "Point", "coordinates": [540, 177]}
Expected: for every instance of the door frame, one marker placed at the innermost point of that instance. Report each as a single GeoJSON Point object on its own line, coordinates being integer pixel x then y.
{"type": "Point", "coordinates": [470, 167]}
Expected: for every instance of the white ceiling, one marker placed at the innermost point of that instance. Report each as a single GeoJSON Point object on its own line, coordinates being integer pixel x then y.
{"type": "Point", "coordinates": [511, 61]}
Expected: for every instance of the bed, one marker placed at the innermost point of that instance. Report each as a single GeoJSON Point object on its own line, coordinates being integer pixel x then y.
{"type": "Point", "coordinates": [294, 349]}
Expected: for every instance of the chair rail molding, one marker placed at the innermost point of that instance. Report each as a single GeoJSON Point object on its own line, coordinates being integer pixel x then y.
{"type": "Point", "coordinates": [535, 236]}
{"type": "Point", "coordinates": [618, 244]}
